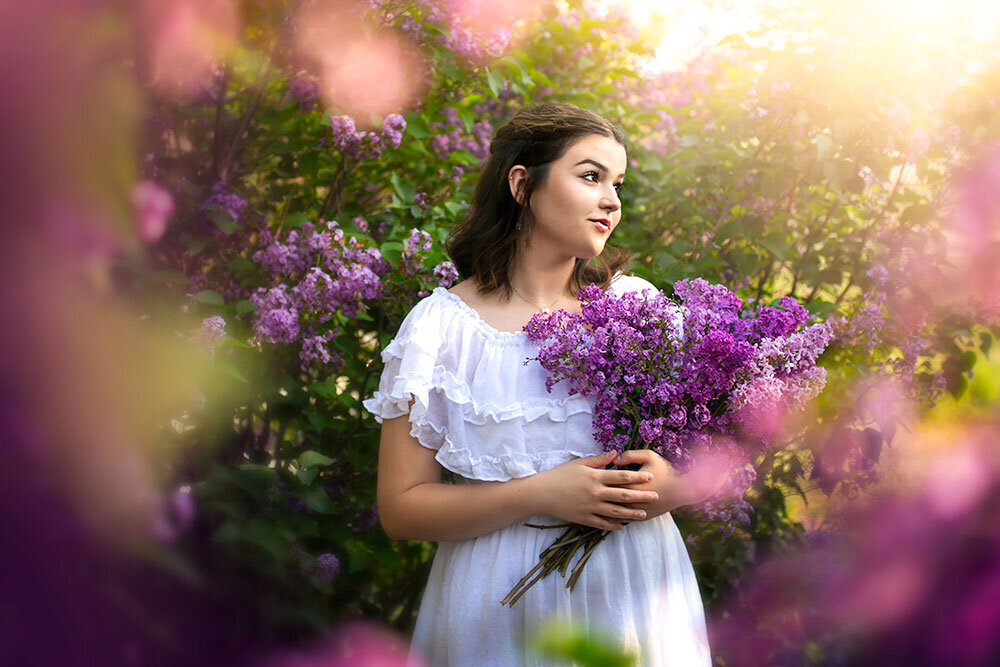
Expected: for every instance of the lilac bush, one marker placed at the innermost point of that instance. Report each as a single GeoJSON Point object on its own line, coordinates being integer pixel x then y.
{"type": "Point", "coordinates": [315, 274]}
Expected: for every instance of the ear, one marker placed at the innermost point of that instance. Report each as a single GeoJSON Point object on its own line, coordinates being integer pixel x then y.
{"type": "Point", "coordinates": [516, 179]}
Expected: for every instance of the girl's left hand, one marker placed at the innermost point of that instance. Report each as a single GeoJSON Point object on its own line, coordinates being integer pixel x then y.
{"type": "Point", "coordinates": [674, 489]}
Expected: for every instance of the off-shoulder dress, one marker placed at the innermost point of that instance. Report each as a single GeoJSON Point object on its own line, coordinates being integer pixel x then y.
{"type": "Point", "coordinates": [489, 418]}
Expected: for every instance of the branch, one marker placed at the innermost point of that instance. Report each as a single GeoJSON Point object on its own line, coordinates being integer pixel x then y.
{"type": "Point", "coordinates": [217, 130]}
{"type": "Point", "coordinates": [227, 163]}
{"type": "Point", "coordinates": [809, 235]}
{"type": "Point", "coordinates": [332, 199]}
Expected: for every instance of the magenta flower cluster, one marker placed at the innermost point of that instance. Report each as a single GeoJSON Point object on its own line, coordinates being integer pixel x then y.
{"type": "Point", "coordinates": [699, 372]}
{"type": "Point", "coordinates": [315, 273]}
{"type": "Point", "coordinates": [367, 143]}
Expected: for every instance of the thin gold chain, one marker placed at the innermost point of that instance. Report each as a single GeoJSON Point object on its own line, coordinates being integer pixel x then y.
{"type": "Point", "coordinates": [543, 310]}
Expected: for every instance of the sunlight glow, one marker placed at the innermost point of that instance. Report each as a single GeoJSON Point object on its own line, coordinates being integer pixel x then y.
{"type": "Point", "coordinates": [686, 27]}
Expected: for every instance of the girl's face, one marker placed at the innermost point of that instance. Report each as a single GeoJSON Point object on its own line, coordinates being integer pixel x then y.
{"type": "Point", "coordinates": [577, 207]}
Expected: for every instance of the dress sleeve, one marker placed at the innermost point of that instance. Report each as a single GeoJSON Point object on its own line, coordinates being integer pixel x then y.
{"type": "Point", "coordinates": [622, 283]}
{"type": "Point", "coordinates": [409, 360]}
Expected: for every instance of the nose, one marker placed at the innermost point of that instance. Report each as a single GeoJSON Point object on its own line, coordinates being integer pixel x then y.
{"type": "Point", "coordinates": [610, 202]}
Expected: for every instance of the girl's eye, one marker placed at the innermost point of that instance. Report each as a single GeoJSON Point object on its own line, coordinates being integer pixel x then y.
{"type": "Point", "coordinates": [589, 174]}
{"type": "Point", "coordinates": [618, 187]}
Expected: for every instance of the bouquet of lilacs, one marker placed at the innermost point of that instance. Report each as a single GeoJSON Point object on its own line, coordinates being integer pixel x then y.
{"type": "Point", "coordinates": [695, 376]}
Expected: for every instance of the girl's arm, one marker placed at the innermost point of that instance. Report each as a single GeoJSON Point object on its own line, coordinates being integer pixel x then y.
{"type": "Point", "coordinates": [414, 504]}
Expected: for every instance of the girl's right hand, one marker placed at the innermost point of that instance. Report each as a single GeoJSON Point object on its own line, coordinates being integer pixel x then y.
{"type": "Point", "coordinates": [582, 492]}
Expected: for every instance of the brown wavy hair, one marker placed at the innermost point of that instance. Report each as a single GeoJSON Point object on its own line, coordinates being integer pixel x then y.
{"type": "Point", "coordinates": [485, 245]}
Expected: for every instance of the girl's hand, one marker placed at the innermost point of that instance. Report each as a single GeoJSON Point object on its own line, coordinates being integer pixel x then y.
{"type": "Point", "coordinates": [674, 489]}
{"type": "Point", "coordinates": [582, 492]}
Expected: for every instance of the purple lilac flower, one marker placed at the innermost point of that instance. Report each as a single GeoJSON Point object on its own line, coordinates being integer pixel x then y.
{"type": "Point", "coordinates": [446, 274]}
{"type": "Point", "coordinates": [317, 272]}
{"type": "Point", "coordinates": [367, 144]}
{"type": "Point", "coordinates": [673, 376]}
{"type": "Point", "coordinates": [346, 136]}
{"type": "Point", "coordinates": [226, 200]}
{"type": "Point", "coordinates": [212, 330]}
{"type": "Point", "coordinates": [366, 519]}
{"type": "Point", "coordinates": [392, 129]}
{"type": "Point", "coordinates": [327, 568]}
{"type": "Point", "coordinates": [304, 89]}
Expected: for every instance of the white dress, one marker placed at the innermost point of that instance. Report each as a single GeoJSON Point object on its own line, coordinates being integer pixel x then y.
{"type": "Point", "coordinates": [489, 417]}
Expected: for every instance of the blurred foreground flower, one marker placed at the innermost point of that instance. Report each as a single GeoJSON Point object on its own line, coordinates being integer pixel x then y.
{"type": "Point", "coordinates": [154, 206]}
{"type": "Point", "coordinates": [357, 644]}
{"type": "Point", "coordinates": [913, 579]}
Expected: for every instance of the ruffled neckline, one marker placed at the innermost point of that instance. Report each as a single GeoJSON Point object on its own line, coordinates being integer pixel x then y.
{"type": "Point", "coordinates": [491, 332]}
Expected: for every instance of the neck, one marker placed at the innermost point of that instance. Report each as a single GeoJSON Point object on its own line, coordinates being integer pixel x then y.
{"type": "Point", "coordinates": [541, 286]}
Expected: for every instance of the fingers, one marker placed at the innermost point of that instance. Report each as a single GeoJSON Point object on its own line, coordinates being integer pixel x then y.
{"type": "Point", "coordinates": [614, 511]}
{"type": "Point", "coordinates": [626, 496]}
{"type": "Point", "coordinates": [602, 523]}
{"type": "Point", "coordinates": [624, 477]}
{"type": "Point", "coordinates": [599, 460]}
{"type": "Point", "coordinates": [630, 456]}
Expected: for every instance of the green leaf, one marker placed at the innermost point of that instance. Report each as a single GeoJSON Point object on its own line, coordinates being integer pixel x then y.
{"type": "Point", "coordinates": [416, 126]}
{"type": "Point", "coordinates": [222, 220]}
{"type": "Point", "coordinates": [391, 251]}
{"type": "Point", "coordinates": [317, 421]}
{"type": "Point", "coordinates": [985, 342]}
{"type": "Point", "coordinates": [296, 219]}
{"type": "Point", "coordinates": [209, 297]}
{"type": "Point", "coordinates": [652, 163]}
{"type": "Point", "coordinates": [919, 213]}
{"type": "Point", "coordinates": [465, 157]}
{"type": "Point", "coordinates": [194, 244]}
{"type": "Point", "coordinates": [823, 145]}
{"type": "Point", "coordinates": [831, 173]}
{"type": "Point", "coordinates": [404, 189]}
{"type": "Point", "coordinates": [228, 368]}
{"type": "Point", "coordinates": [495, 82]}
{"type": "Point", "coordinates": [468, 119]}
{"type": "Point", "coordinates": [229, 341]}
{"type": "Point", "coordinates": [315, 497]}
{"type": "Point", "coordinates": [776, 244]}
{"type": "Point", "coordinates": [243, 307]}
{"type": "Point", "coordinates": [307, 475]}
{"type": "Point", "coordinates": [242, 266]}
{"type": "Point", "coordinates": [310, 458]}
{"type": "Point", "coordinates": [172, 276]}
{"type": "Point", "coordinates": [453, 207]}
{"type": "Point", "coordinates": [326, 389]}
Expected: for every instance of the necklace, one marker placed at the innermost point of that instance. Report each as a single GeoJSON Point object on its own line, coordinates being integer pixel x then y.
{"type": "Point", "coordinates": [543, 310]}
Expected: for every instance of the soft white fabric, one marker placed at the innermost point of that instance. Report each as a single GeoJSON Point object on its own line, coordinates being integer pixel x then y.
{"type": "Point", "coordinates": [489, 417]}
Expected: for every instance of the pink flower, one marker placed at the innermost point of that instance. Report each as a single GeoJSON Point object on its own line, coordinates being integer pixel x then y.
{"type": "Point", "coordinates": [154, 206]}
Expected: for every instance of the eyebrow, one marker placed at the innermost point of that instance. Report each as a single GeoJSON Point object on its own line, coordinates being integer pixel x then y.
{"type": "Point", "coordinates": [596, 164]}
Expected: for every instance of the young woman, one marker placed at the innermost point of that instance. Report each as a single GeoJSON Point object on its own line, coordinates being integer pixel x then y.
{"type": "Point", "coordinates": [456, 394]}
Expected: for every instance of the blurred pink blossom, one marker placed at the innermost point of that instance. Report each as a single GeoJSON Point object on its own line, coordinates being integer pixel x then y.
{"type": "Point", "coordinates": [360, 74]}
{"type": "Point", "coordinates": [356, 644]}
{"type": "Point", "coordinates": [153, 206]}
{"type": "Point", "coordinates": [186, 38]}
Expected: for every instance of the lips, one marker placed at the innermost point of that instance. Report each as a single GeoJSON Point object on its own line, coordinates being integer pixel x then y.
{"type": "Point", "coordinates": [603, 225]}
